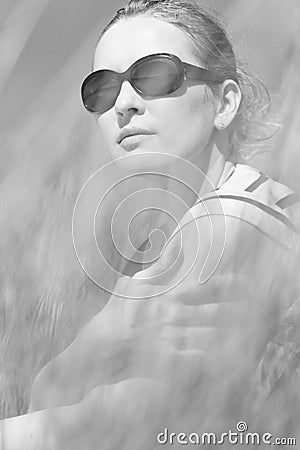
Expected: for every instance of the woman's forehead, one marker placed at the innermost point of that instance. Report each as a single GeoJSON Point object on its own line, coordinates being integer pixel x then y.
{"type": "Point", "coordinates": [131, 39]}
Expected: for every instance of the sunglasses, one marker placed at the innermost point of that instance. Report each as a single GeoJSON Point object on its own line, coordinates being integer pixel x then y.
{"type": "Point", "coordinates": [152, 76]}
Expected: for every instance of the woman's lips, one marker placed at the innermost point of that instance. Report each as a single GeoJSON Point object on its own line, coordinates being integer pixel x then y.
{"type": "Point", "coordinates": [133, 131]}
{"type": "Point", "coordinates": [130, 143]}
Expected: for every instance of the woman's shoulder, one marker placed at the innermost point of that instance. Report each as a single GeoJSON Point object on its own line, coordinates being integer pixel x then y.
{"type": "Point", "coordinates": [251, 197]}
{"type": "Point", "coordinates": [248, 182]}
{"type": "Point", "coordinates": [248, 212]}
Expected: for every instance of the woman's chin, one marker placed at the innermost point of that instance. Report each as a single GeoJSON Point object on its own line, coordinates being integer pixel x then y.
{"type": "Point", "coordinates": [137, 157]}
{"type": "Point", "coordinates": [142, 159]}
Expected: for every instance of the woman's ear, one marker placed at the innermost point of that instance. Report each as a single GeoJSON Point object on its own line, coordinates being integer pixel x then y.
{"type": "Point", "coordinates": [228, 105]}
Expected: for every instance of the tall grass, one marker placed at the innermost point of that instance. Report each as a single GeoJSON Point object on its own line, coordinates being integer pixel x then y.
{"type": "Point", "coordinates": [47, 153]}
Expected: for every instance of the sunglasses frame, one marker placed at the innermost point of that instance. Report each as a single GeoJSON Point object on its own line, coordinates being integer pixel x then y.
{"type": "Point", "coordinates": [184, 71]}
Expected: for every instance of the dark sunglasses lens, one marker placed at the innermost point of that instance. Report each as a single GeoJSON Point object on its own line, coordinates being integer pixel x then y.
{"type": "Point", "coordinates": [100, 91]}
{"type": "Point", "coordinates": [156, 77]}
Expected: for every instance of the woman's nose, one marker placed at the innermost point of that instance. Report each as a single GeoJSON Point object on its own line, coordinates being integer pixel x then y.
{"type": "Point", "coordinates": [129, 102]}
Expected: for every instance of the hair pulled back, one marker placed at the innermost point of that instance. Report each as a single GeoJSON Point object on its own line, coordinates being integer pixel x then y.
{"type": "Point", "coordinates": [214, 49]}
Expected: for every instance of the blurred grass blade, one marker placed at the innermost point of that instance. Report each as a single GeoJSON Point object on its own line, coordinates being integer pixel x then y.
{"type": "Point", "coordinates": [16, 32]}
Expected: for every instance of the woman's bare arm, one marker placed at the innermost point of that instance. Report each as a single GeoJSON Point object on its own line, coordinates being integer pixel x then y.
{"type": "Point", "coordinates": [126, 415]}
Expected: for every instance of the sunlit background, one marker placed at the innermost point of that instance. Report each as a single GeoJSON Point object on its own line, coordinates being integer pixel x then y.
{"type": "Point", "coordinates": [50, 145]}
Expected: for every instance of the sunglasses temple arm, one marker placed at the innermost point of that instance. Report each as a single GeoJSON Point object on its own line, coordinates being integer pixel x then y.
{"type": "Point", "coordinates": [201, 74]}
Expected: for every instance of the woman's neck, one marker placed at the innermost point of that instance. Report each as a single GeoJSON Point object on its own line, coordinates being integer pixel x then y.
{"type": "Point", "coordinates": [196, 176]}
{"type": "Point", "coordinates": [184, 182]}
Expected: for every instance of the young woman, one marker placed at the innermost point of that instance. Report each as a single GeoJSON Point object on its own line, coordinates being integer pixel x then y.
{"type": "Point", "coordinates": [182, 342]}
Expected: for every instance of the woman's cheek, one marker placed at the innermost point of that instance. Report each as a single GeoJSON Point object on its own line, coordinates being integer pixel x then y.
{"type": "Point", "coordinates": [106, 123]}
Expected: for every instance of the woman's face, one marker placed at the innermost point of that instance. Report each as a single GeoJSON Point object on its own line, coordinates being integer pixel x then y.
{"type": "Point", "coordinates": [180, 124]}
